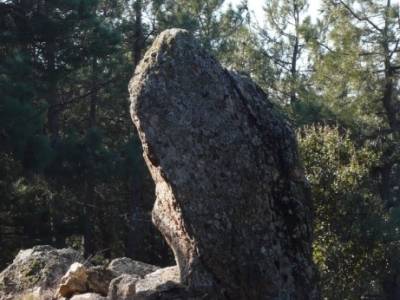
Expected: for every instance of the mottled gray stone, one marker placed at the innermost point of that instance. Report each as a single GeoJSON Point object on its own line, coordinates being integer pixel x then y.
{"type": "Point", "coordinates": [159, 279]}
{"type": "Point", "coordinates": [232, 201]}
{"type": "Point", "coordinates": [164, 284]}
{"type": "Point", "coordinates": [99, 279]}
{"type": "Point", "coordinates": [125, 265]}
{"type": "Point", "coordinates": [36, 272]}
{"type": "Point", "coordinates": [123, 287]}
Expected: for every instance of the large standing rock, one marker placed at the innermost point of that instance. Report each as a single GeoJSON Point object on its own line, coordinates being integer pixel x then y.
{"type": "Point", "coordinates": [36, 272]}
{"type": "Point", "coordinates": [231, 199]}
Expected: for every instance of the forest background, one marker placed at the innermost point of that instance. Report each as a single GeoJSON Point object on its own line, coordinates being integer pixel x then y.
{"type": "Point", "coordinates": [71, 168]}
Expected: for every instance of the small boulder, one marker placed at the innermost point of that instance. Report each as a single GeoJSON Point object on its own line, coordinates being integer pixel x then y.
{"type": "Point", "coordinates": [164, 284]}
{"type": "Point", "coordinates": [37, 270]}
{"type": "Point", "coordinates": [99, 279]}
{"type": "Point", "coordinates": [88, 296]}
{"type": "Point", "coordinates": [79, 280]}
{"type": "Point", "coordinates": [74, 281]}
{"type": "Point", "coordinates": [125, 265]}
{"type": "Point", "coordinates": [162, 279]}
{"type": "Point", "coordinates": [123, 287]}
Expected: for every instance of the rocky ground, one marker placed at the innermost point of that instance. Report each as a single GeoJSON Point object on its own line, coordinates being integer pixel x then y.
{"type": "Point", "coordinates": [45, 273]}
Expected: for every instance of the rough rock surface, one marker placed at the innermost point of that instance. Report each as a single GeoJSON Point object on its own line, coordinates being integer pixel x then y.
{"type": "Point", "coordinates": [80, 280]}
{"type": "Point", "coordinates": [164, 284]}
{"type": "Point", "coordinates": [99, 279]}
{"type": "Point", "coordinates": [127, 287]}
{"type": "Point", "coordinates": [232, 201]}
{"type": "Point", "coordinates": [123, 287]}
{"type": "Point", "coordinates": [172, 292]}
{"type": "Point", "coordinates": [74, 281]}
{"type": "Point", "coordinates": [36, 272]}
{"type": "Point", "coordinates": [88, 296]}
{"type": "Point", "coordinates": [159, 280]}
{"type": "Point", "coordinates": [125, 265]}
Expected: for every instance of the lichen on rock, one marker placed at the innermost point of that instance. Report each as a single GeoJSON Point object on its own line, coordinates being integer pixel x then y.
{"type": "Point", "coordinates": [36, 271]}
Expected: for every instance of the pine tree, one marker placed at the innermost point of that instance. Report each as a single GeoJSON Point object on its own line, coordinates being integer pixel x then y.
{"type": "Point", "coordinates": [355, 53]}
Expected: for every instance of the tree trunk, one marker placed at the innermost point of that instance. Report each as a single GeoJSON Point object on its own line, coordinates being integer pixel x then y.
{"type": "Point", "coordinates": [88, 220]}
{"type": "Point", "coordinates": [53, 112]}
{"type": "Point", "coordinates": [139, 39]}
{"type": "Point", "coordinates": [93, 96]}
{"type": "Point", "coordinates": [293, 71]}
{"type": "Point", "coordinates": [391, 285]}
{"type": "Point", "coordinates": [136, 224]}
{"type": "Point", "coordinates": [295, 54]}
{"type": "Point", "coordinates": [90, 205]}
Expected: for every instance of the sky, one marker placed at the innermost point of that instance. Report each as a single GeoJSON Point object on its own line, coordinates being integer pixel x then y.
{"type": "Point", "coordinates": [255, 7]}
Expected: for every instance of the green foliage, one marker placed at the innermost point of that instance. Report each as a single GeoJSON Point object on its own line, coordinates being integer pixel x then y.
{"type": "Point", "coordinates": [352, 228]}
{"type": "Point", "coordinates": [199, 17]}
{"type": "Point", "coordinates": [353, 48]}
{"type": "Point", "coordinates": [283, 45]}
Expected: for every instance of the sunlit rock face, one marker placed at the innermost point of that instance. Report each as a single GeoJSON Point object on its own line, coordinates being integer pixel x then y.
{"type": "Point", "coordinates": [232, 201]}
{"type": "Point", "coordinates": [36, 272]}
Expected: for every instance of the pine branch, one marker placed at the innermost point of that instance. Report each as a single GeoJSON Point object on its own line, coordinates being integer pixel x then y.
{"type": "Point", "coordinates": [354, 14]}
